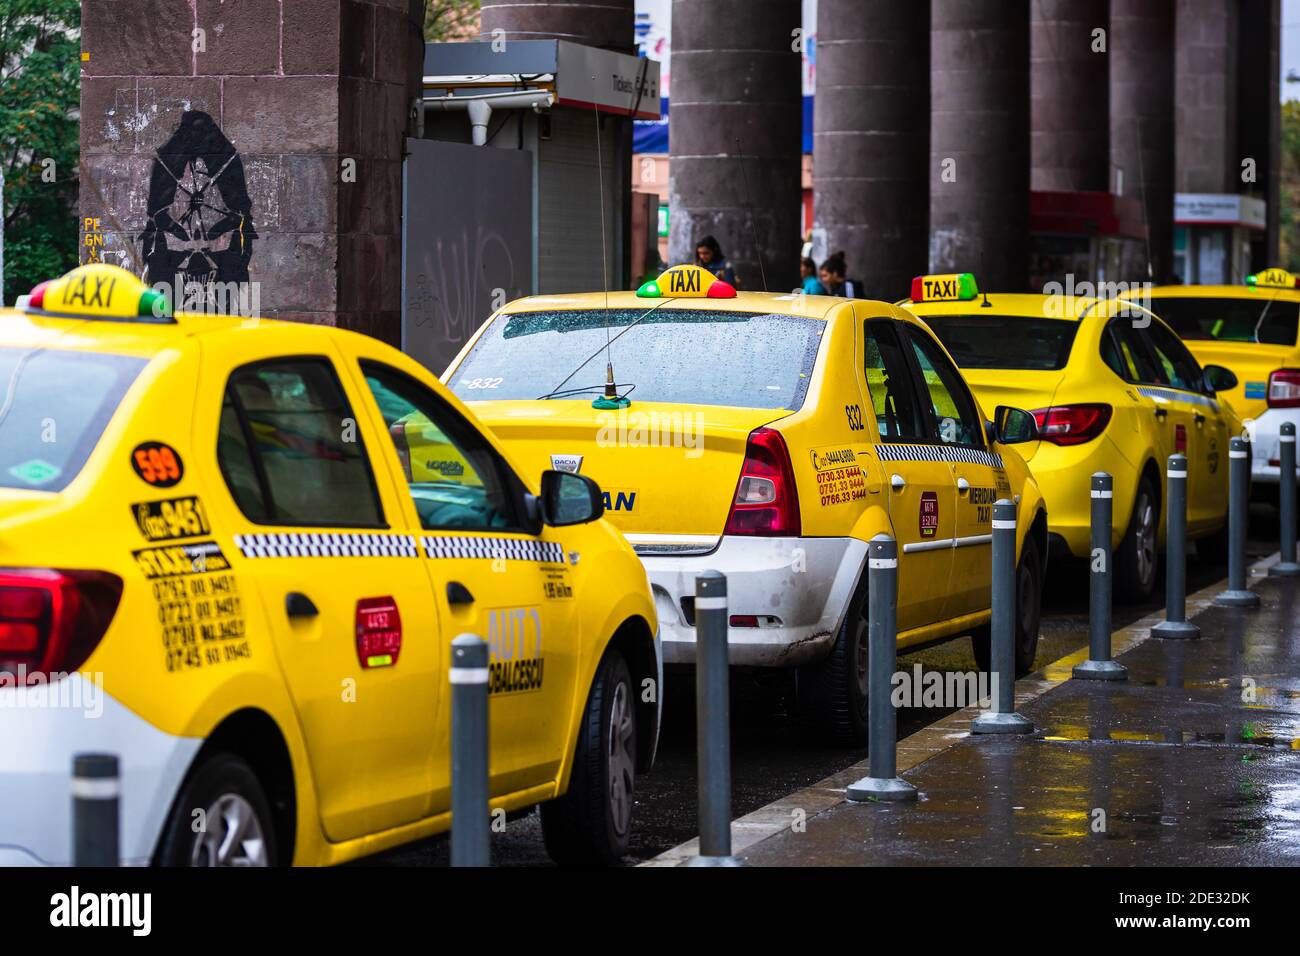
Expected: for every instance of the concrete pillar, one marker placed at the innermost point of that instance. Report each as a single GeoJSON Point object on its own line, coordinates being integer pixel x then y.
{"type": "Point", "coordinates": [1259, 115]}
{"type": "Point", "coordinates": [871, 140]}
{"type": "Point", "coordinates": [1205, 100]}
{"type": "Point", "coordinates": [979, 141]}
{"type": "Point", "coordinates": [737, 100]}
{"type": "Point", "coordinates": [1142, 111]}
{"type": "Point", "coordinates": [605, 23]}
{"type": "Point", "coordinates": [1069, 95]}
{"type": "Point", "coordinates": [255, 142]}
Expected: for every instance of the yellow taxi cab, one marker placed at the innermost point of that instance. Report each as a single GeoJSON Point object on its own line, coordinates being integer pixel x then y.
{"type": "Point", "coordinates": [1112, 389]}
{"type": "Point", "coordinates": [1254, 331]}
{"type": "Point", "coordinates": [210, 544]}
{"type": "Point", "coordinates": [769, 437]}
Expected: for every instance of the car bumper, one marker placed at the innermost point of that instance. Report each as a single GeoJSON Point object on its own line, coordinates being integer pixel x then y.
{"type": "Point", "coordinates": [42, 733]}
{"type": "Point", "coordinates": [1064, 476]}
{"type": "Point", "coordinates": [799, 589]}
{"type": "Point", "coordinates": [1266, 446]}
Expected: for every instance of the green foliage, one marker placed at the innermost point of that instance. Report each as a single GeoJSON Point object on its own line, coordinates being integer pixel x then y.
{"type": "Point", "coordinates": [450, 20]}
{"type": "Point", "coordinates": [1289, 205]}
{"type": "Point", "coordinates": [40, 55]}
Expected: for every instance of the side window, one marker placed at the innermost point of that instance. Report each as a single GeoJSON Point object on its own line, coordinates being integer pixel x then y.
{"type": "Point", "coordinates": [1177, 367]}
{"type": "Point", "coordinates": [951, 406]}
{"type": "Point", "coordinates": [1134, 361]}
{"type": "Point", "coordinates": [898, 416]}
{"type": "Point", "coordinates": [456, 479]}
{"type": "Point", "coordinates": [290, 449]}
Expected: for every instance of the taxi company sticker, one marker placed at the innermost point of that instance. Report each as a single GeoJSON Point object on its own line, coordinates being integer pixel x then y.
{"type": "Point", "coordinates": [839, 479]}
{"type": "Point", "coordinates": [929, 514]}
{"type": "Point", "coordinates": [515, 661]}
{"type": "Point", "coordinates": [555, 584]}
{"type": "Point", "coordinates": [157, 464]}
{"type": "Point", "coordinates": [35, 471]}
{"type": "Point", "coordinates": [199, 607]}
{"type": "Point", "coordinates": [379, 632]}
{"type": "Point", "coordinates": [171, 518]}
{"type": "Point", "coordinates": [983, 499]}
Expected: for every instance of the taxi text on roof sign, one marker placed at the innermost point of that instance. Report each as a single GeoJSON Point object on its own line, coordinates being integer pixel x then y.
{"type": "Point", "coordinates": [99, 291]}
{"type": "Point", "coordinates": [954, 287]}
{"type": "Point", "coordinates": [1274, 279]}
{"type": "Point", "coordinates": [687, 282]}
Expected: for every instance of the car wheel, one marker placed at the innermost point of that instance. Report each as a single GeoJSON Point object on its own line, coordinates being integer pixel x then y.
{"type": "Point", "coordinates": [1137, 560]}
{"type": "Point", "coordinates": [833, 691]}
{"type": "Point", "coordinates": [1029, 603]}
{"type": "Point", "coordinates": [592, 822]}
{"type": "Point", "coordinates": [221, 818]}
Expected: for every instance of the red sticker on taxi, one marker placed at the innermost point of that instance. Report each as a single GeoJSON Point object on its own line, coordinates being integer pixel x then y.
{"type": "Point", "coordinates": [929, 514]}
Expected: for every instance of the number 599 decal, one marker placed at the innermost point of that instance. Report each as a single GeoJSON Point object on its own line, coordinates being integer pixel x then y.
{"type": "Point", "coordinates": [157, 464]}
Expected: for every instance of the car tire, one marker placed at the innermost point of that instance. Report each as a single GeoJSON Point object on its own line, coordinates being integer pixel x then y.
{"type": "Point", "coordinates": [1137, 559]}
{"type": "Point", "coordinates": [1029, 604]}
{"type": "Point", "coordinates": [833, 691]}
{"type": "Point", "coordinates": [590, 825]}
{"type": "Point", "coordinates": [228, 792]}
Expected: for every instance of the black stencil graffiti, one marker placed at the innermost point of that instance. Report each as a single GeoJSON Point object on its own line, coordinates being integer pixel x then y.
{"type": "Point", "coordinates": [200, 217]}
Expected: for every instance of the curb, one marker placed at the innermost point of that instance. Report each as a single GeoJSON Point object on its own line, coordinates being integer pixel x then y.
{"type": "Point", "coordinates": [777, 817]}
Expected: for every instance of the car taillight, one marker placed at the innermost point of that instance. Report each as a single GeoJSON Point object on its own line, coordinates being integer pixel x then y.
{"type": "Point", "coordinates": [1071, 424]}
{"type": "Point", "coordinates": [766, 501]}
{"type": "Point", "coordinates": [1284, 388]}
{"type": "Point", "coordinates": [398, 431]}
{"type": "Point", "coordinates": [51, 621]}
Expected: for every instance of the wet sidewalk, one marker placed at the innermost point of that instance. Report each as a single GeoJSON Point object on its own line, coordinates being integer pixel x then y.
{"type": "Point", "coordinates": [1194, 760]}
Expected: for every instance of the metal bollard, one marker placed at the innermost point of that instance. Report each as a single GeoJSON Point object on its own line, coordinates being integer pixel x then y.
{"type": "Point", "coordinates": [470, 836]}
{"type": "Point", "coordinates": [96, 792]}
{"type": "Point", "coordinates": [1175, 626]}
{"type": "Point", "coordinates": [1237, 594]}
{"type": "Point", "coordinates": [1287, 567]}
{"type": "Point", "coordinates": [883, 782]}
{"type": "Point", "coordinates": [1003, 719]}
{"type": "Point", "coordinates": [713, 720]}
{"type": "Point", "coordinates": [1099, 665]}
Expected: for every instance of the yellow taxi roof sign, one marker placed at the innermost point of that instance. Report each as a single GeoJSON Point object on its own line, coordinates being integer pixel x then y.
{"type": "Point", "coordinates": [687, 282]}
{"type": "Point", "coordinates": [1273, 279]}
{"type": "Point", "coordinates": [952, 287]}
{"type": "Point", "coordinates": [99, 290]}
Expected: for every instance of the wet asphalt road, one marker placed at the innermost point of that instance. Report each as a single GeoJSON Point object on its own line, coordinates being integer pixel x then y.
{"type": "Point", "coordinates": [771, 757]}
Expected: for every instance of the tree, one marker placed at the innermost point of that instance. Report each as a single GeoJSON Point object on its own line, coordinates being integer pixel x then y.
{"type": "Point", "coordinates": [1289, 193]}
{"type": "Point", "coordinates": [450, 20]}
{"type": "Point", "coordinates": [40, 55]}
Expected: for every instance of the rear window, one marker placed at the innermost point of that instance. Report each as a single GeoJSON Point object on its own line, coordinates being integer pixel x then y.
{"type": "Point", "coordinates": [1270, 322]}
{"type": "Point", "coordinates": [745, 359]}
{"type": "Point", "coordinates": [54, 407]}
{"type": "Point", "coordinates": [1005, 341]}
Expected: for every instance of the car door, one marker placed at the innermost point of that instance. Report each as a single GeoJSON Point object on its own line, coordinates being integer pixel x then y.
{"type": "Point", "coordinates": [977, 474]}
{"type": "Point", "coordinates": [1206, 427]}
{"type": "Point", "coordinates": [921, 491]}
{"type": "Point", "coordinates": [495, 572]}
{"type": "Point", "coordinates": [1125, 349]}
{"type": "Point", "coordinates": [349, 606]}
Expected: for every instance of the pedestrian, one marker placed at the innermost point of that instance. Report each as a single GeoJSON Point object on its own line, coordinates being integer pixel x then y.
{"type": "Point", "coordinates": [833, 277]}
{"type": "Point", "coordinates": [708, 255]}
{"type": "Point", "coordinates": [810, 284]}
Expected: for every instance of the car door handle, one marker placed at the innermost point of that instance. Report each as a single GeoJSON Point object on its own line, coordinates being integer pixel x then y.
{"type": "Point", "coordinates": [963, 486]}
{"type": "Point", "coordinates": [457, 593]}
{"type": "Point", "coordinates": [297, 604]}
{"type": "Point", "coordinates": [897, 482]}
{"type": "Point", "coordinates": [1161, 413]}
{"type": "Point", "coordinates": [1199, 418]}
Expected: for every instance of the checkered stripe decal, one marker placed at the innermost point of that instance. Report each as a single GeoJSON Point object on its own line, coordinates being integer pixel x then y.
{"type": "Point", "coordinates": [310, 544]}
{"type": "Point", "coordinates": [509, 549]}
{"type": "Point", "coordinates": [971, 456]}
{"type": "Point", "coordinates": [1171, 395]}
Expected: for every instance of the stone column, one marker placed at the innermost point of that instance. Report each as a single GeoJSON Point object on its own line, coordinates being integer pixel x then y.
{"type": "Point", "coordinates": [1069, 95]}
{"type": "Point", "coordinates": [1259, 116]}
{"type": "Point", "coordinates": [736, 117]}
{"type": "Point", "coordinates": [871, 140]}
{"type": "Point", "coordinates": [604, 23]}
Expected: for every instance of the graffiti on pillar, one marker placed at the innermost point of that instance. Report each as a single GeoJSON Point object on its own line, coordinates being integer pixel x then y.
{"type": "Point", "coordinates": [200, 219]}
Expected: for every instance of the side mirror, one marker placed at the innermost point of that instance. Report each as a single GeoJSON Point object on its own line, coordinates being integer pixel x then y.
{"type": "Point", "coordinates": [570, 499]}
{"type": "Point", "coordinates": [1219, 379]}
{"type": "Point", "coordinates": [1014, 426]}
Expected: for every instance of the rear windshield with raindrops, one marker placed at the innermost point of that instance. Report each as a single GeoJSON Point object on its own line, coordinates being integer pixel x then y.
{"type": "Point", "coordinates": [686, 356]}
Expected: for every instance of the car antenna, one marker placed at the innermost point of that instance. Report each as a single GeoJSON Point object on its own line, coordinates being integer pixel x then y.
{"type": "Point", "coordinates": [753, 227]}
